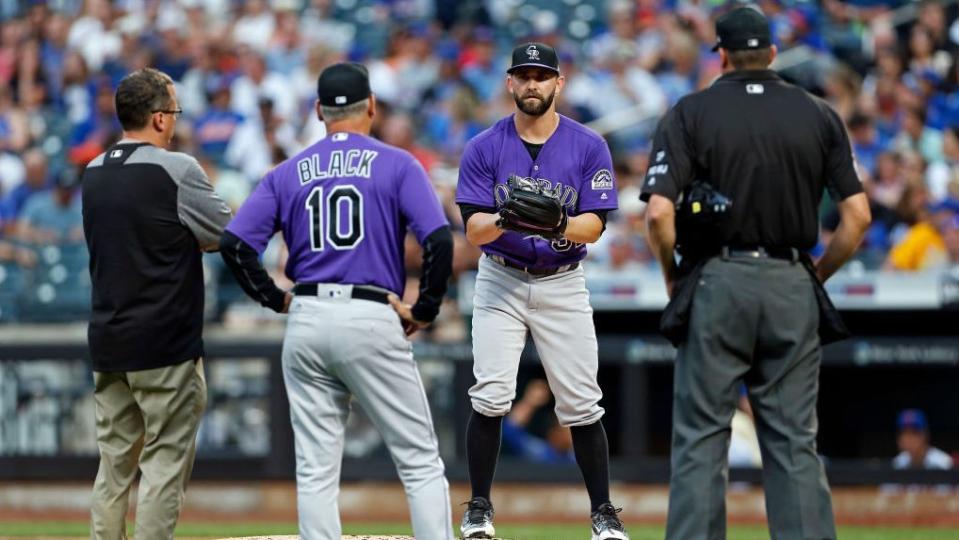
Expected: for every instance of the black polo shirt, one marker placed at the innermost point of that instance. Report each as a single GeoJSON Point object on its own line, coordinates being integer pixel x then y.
{"type": "Point", "coordinates": [769, 146]}
{"type": "Point", "coordinates": [147, 214]}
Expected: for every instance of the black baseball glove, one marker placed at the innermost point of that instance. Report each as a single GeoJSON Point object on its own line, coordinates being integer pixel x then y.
{"type": "Point", "coordinates": [529, 209]}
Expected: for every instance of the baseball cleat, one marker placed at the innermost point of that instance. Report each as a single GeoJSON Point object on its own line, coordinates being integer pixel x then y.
{"type": "Point", "coordinates": [478, 519]}
{"type": "Point", "coordinates": [606, 525]}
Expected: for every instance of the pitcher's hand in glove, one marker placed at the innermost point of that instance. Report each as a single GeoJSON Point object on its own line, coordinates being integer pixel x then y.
{"type": "Point", "coordinates": [531, 210]}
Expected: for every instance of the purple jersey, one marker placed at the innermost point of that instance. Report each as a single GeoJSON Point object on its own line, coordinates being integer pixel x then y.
{"type": "Point", "coordinates": [344, 205]}
{"type": "Point", "coordinates": [574, 156]}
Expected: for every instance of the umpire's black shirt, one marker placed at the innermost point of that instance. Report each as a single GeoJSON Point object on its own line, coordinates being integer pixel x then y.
{"type": "Point", "coordinates": [768, 145]}
{"type": "Point", "coordinates": [147, 213]}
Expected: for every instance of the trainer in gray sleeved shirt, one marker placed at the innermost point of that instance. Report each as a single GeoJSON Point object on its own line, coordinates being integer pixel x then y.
{"type": "Point", "coordinates": [147, 214]}
{"type": "Point", "coordinates": [199, 207]}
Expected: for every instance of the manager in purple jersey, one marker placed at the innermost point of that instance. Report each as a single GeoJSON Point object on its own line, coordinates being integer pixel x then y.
{"type": "Point", "coordinates": [344, 206]}
{"type": "Point", "coordinates": [529, 284]}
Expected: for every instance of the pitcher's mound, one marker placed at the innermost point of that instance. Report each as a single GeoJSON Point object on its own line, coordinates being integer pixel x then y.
{"type": "Point", "coordinates": [360, 537]}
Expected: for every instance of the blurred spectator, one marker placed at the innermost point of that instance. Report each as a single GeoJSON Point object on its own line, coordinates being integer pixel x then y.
{"type": "Point", "coordinates": [93, 34]}
{"type": "Point", "coordinates": [286, 52]}
{"type": "Point", "coordinates": [214, 128]}
{"type": "Point", "coordinates": [920, 247]}
{"type": "Point", "coordinates": [556, 447]}
{"type": "Point", "coordinates": [256, 82]}
{"type": "Point", "coordinates": [865, 143]}
{"type": "Point", "coordinates": [14, 135]}
{"type": "Point", "coordinates": [744, 441]}
{"type": "Point", "coordinates": [53, 216]}
{"type": "Point", "coordinates": [481, 68]}
{"type": "Point", "coordinates": [255, 27]}
{"type": "Point", "coordinates": [915, 136]}
{"type": "Point", "coordinates": [36, 180]}
{"type": "Point", "coordinates": [403, 77]}
{"type": "Point", "coordinates": [950, 238]}
{"type": "Point", "coordinates": [397, 130]}
{"type": "Point", "coordinates": [888, 185]}
{"type": "Point", "coordinates": [915, 450]}
{"type": "Point", "coordinates": [617, 85]}
{"type": "Point", "coordinates": [261, 142]}
{"type": "Point", "coordinates": [320, 27]}
{"type": "Point", "coordinates": [923, 247]}
{"type": "Point", "coordinates": [681, 77]}
{"type": "Point", "coordinates": [942, 176]}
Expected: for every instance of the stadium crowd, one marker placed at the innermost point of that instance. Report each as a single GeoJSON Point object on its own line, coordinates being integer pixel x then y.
{"type": "Point", "coordinates": [246, 72]}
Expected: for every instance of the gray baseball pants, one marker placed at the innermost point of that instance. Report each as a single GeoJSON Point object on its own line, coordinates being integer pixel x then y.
{"type": "Point", "coordinates": [555, 310]}
{"type": "Point", "coordinates": [754, 320]}
{"type": "Point", "coordinates": [335, 349]}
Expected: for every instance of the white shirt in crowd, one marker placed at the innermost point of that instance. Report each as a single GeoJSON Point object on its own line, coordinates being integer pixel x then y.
{"type": "Point", "coordinates": [935, 459]}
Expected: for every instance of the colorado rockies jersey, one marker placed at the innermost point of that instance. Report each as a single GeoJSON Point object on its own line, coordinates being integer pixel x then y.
{"type": "Point", "coordinates": [574, 157]}
{"type": "Point", "coordinates": [344, 205]}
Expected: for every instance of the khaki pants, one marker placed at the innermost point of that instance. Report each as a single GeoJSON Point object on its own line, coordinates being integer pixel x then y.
{"type": "Point", "coordinates": [148, 420]}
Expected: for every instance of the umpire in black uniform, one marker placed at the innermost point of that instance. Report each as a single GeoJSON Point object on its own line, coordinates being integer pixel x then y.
{"type": "Point", "coordinates": [746, 300]}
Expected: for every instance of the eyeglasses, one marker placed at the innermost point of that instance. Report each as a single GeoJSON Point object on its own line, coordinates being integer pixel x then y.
{"type": "Point", "coordinates": [175, 112]}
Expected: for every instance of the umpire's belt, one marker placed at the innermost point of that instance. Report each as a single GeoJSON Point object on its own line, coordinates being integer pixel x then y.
{"type": "Point", "coordinates": [533, 271]}
{"type": "Point", "coordinates": [359, 292]}
{"type": "Point", "coordinates": [760, 252]}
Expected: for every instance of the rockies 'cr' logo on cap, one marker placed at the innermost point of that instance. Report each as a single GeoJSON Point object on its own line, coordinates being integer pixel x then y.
{"type": "Point", "coordinates": [533, 52]}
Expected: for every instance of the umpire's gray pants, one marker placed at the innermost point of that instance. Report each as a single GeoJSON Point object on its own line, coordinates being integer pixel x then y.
{"type": "Point", "coordinates": [337, 348]}
{"type": "Point", "coordinates": [753, 320]}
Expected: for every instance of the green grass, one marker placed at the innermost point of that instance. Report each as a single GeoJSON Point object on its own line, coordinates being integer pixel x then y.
{"type": "Point", "coordinates": [24, 529]}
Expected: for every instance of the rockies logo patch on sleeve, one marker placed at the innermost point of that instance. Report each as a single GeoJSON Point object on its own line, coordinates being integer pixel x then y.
{"type": "Point", "coordinates": [603, 179]}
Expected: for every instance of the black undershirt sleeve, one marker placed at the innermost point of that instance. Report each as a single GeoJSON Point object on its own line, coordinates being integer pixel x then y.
{"type": "Point", "coordinates": [437, 268]}
{"type": "Point", "coordinates": [245, 264]}
{"type": "Point", "coordinates": [467, 210]}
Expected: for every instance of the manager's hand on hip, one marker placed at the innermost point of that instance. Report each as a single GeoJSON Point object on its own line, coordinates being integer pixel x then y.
{"type": "Point", "coordinates": [410, 325]}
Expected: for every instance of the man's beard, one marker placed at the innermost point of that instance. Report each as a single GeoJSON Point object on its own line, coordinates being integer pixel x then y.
{"type": "Point", "coordinates": [537, 107]}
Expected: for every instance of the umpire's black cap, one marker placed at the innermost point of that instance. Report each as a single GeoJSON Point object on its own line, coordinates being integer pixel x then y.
{"type": "Point", "coordinates": [534, 55]}
{"type": "Point", "coordinates": [342, 84]}
{"type": "Point", "coordinates": [742, 28]}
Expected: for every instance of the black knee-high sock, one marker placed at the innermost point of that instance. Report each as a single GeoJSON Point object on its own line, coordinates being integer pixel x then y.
{"type": "Point", "coordinates": [483, 434]}
{"type": "Point", "coordinates": [592, 456]}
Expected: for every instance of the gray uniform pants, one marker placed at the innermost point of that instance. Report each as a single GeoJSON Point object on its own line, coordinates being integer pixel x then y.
{"type": "Point", "coordinates": [555, 310]}
{"type": "Point", "coordinates": [337, 348]}
{"type": "Point", "coordinates": [753, 320]}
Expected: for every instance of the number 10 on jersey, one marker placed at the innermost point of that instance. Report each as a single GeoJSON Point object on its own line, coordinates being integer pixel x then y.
{"type": "Point", "coordinates": [326, 224]}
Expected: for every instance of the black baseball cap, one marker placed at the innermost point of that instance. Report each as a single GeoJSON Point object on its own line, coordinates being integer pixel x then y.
{"type": "Point", "coordinates": [742, 28]}
{"type": "Point", "coordinates": [534, 55]}
{"type": "Point", "coordinates": [342, 84]}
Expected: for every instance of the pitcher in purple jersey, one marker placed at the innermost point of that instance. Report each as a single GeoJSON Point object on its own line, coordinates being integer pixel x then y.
{"type": "Point", "coordinates": [528, 284]}
{"type": "Point", "coordinates": [344, 205]}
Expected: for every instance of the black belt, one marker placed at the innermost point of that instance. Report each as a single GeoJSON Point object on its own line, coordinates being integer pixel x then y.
{"type": "Point", "coordinates": [359, 293]}
{"type": "Point", "coordinates": [761, 252]}
{"type": "Point", "coordinates": [533, 271]}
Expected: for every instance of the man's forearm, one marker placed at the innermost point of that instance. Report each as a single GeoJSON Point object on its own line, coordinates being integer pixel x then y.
{"type": "Point", "coordinates": [841, 247]}
{"type": "Point", "coordinates": [662, 240]}
{"type": "Point", "coordinates": [661, 234]}
{"type": "Point", "coordinates": [854, 220]}
{"type": "Point", "coordinates": [481, 228]}
{"type": "Point", "coordinates": [584, 229]}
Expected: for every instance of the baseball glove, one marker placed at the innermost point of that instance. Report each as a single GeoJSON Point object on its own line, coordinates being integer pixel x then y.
{"type": "Point", "coordinates": [532, 210]}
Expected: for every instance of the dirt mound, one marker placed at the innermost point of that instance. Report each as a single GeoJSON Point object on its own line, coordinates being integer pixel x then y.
{"type": "Point", "coordinates": [360, 537]}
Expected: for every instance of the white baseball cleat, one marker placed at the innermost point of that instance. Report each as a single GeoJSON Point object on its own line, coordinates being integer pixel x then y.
{"type": "Point", "coordinates": [478, 519]}
{"type": "Point", "coordinates": [606, 525]}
